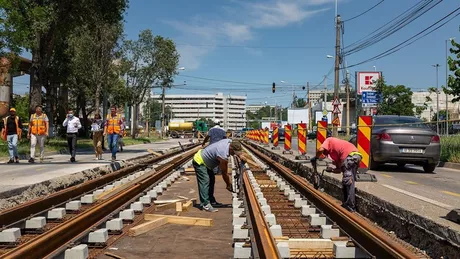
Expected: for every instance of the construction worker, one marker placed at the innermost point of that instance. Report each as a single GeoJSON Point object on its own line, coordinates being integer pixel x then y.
{"type": "Point", "coordinates": [73, 125]}
{"type": "Point", "coordinates": [113, 129]}
{"type": "Point", "coordinates": [346, 158]}
{"type": "Point", "coordinates": [37, 133]}
{"type": "Point", "coordinates": [205, 160]}
{"type": "Point", "coordinates": [215, 134]}
{"type": "Point", "coordinates": [96, 128]}
{"type": "Point", "coordinates": [11, 132]}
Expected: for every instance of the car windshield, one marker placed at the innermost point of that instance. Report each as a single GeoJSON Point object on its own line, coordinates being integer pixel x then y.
{"type": "Point", "coordinates": [386, 122]}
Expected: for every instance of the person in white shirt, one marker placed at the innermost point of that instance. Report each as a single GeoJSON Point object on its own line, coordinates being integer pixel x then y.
{"type": "Point", "coordinates": [73, 125]}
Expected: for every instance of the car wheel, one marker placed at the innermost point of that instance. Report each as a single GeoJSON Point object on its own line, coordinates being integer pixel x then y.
{"type": "Point", "coordinates": [372, 164]}
{"type": "Point", "coordinates": [429, 168]}
{"type": "Point", "coordinates": [401, 165]}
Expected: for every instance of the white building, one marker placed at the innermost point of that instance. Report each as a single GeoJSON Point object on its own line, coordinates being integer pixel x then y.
{"type": "Point", "coordinates": [229, 109]}
{"type": "Point", "coordinates": [253, 108]}
{"type": "Point", "coordinates": [419, 99]}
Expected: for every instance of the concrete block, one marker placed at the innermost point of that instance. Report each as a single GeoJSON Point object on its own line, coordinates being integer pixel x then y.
{"type": "Point", "coordinates": [257, 189]}
{"type": "Point", "coordinates": [298, 202]}
{"type": "Point", "coordinates": [114, 224]}
{"type": "Point", "coordinates": [276, 231]}
{"type": "Point", "coordinates": [282, 186]}
{"type": "Point", "coordinates": [239, 232]}
{"type": "Point", "coordinates": [131, 177]}
{"type": "Point", "coordinates": [117, 183]}
{"type": "Point", "coordinates": [236, 202]}
{"type": "Point", "coordinates": [241, 252]}
{"type": "Point", "coordinates": [153, 194]}
{"type": "Point", "coordinates": [98, 236]}
{"type": "Point", "coordinates": [291, 196]}
{"type": "Point", "coordinates": [108, 187]}
{"type": "Point", "coordinates": [271, 219]}
{"type": "Point", "coordinates": [168, 181]}
{"type": "Point", "coordinates": [263, 202]}
{"type": "Point", "coordinates": [259, 195]}
{"type": "Point", "coordinates": [57, 213]}
{"type": "Point", "coordinates": [238, 210]}
{"type": "Point", "coordinates": [287, 190]}
{"type": "Point", "coordinates": [146, 199]}
{"type": "Point", "coordinates": [342, 251]}
{"type": "Point", "coordinates": [87, 199]}
{"type": "Point", "coordinates": [307, 210]}
{"type": "Point", "coordinates": [283, 248]}
{"type": "Point", "coordinates": [137, 174]}
{"type": "Point", "coordinates": [328, 232]}
{"type": "Point", "coordinates": [77, 252]}
{"type": "Point", "coordinates": [317, 220]}
{"type": "Point", "coordinates": [127, 214]}
{"type": "Point", "coordinates": [125, 180]}
{"type": "Point", "coordinates": [73, 205]}
{"type": "Point", "coordinates": [35, 223]}
{"type": "Point", "coordinates": [10, 235]}
{"type": "Point", "coordinates": [237, 220]}
{"type": "Point", "coordinates": [137, 206]}
{"type": "Point", "coordinates": [98, 192]}
{"type": "Point", "coordinates": [266, 209]}
{"type": "Point", "coordinates": [164, 185]}
{"type": "Point", "coordinates": [159, 189]}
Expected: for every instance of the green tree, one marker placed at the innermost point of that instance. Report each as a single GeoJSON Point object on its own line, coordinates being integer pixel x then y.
{"type": "Point", "coordinates": [442, 116]}
{"type": "Point", "coordinates": [300, 103]}
{"type": "Point", "coordinates": [152, 111]}
{"type": "Point", "coordinates": [453, 83]}
{"type": "Point", "coordinates": [21, 104]}
{"type": "Point", "coordinates": [396, 100]}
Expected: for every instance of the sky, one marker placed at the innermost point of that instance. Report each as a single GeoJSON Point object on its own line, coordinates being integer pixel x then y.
{"type": "Point", "coordinates": [241, 47]}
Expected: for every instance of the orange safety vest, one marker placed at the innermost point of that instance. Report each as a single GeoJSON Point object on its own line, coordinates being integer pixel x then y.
{"type": "Point", "coordinates": [37, 124]}
{"type": "Point", "coordinates": [113, 124]}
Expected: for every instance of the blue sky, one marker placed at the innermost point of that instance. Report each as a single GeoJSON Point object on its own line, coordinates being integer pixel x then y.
{"type": "Point", "coordinates": [272, 40]}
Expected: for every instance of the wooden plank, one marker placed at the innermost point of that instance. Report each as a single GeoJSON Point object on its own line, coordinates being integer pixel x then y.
{"type": "Point", "coordinates": [305, 244]}
{"type": "Point", "coordinates": [167, 201]}
{"type": "Point", "coordinates": [182, 197]}
{"type": "Point", "coordinates": [114, 255]}
{"type": "Point", "coordinates": [178, 206]}
{"type": "Point", "coordinates": [147, 226]}
{"type": "Point", "coordinates": [187, 205]}
{"type": "Point", "coordinates": [181, 220]}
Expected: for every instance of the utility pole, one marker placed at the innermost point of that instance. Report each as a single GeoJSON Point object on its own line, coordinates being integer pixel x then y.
{"type": "Point", "coordinates": [325, 93]}
{"type": "Point", "coordinates": [437, 97]}
{"type": "Point", "coordinates": [309, 107]}
{"type": "Point", "coordinates": [337, 64]}
{"type": "Point", "coordinates": [347, 89]}
{"type": "Point", "coordinates": [163, 91]}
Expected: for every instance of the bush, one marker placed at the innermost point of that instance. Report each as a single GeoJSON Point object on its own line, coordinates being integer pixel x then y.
{"type": "Point", "coordinates": [450, 149]}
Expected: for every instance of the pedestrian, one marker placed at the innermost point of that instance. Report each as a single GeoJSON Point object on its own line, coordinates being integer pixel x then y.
{"type": "Point", "coordinates": [205, 160]}
{"type": "Point", "coordinates": [73, 125]}
{"type": "Point", "coordinates": [37, 133]}
{"type": "Point", "coordinates": [346, 158]}
{"type": "Point", "coordinates": [97, 128]}
{"type": "Point", "coordinates": [215, 134]}
{"type": "Point", "coordinates": [12, 131]}
{"type": "Point", "coordinates": [113, 129]}
{"type": "Point", "coordinates": [120, 139]}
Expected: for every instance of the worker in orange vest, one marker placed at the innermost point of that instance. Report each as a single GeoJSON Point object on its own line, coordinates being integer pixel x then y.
{"type": "Point", "coordinates": [114, 127]}
{"type": "Point", "coordinates": [11, 132]}
{"type": "Point", "coordinates": [38, 131]}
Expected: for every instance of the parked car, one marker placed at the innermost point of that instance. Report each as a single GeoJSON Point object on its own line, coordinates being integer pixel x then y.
{"type": "Point", "coordinates": [403, 140]}
{"type": "Point", "coordinates": [312, 135]}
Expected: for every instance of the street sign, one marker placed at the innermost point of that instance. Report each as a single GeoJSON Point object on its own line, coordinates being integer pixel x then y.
{"type": "Point", "coordinates": [336, 110]}
{"type": "Point", "coordinates": [369, 105]}
{"type": "Point", "coordinates": [336, 121]}
{"type": "Point", "coordinates": [366, 81]}
{"type": "Point", "coordinates": [324, 112]}
{"type": "Point", "coordinates": [336, 102]}
{"type": "Point", "coordinates": [371, 97]}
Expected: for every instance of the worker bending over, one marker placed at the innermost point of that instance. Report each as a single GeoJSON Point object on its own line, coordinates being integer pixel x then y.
{"type": "Point", "coordinates": [346, 158]}
{"type": "Point", "coordinates": [205, 160]}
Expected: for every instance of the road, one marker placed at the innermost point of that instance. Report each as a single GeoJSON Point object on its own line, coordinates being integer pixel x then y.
{"type": "Point", "coordinates": [442, 186]}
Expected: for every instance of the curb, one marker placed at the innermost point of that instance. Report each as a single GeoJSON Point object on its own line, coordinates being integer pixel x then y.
{"type": "Point", "coordinates": [450, 165]}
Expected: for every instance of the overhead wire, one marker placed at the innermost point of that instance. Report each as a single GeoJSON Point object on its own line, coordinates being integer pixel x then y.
{"type": "Point", "coordinates": [254, 47]}
{"type": "Point", "coordinates": [363, 13]}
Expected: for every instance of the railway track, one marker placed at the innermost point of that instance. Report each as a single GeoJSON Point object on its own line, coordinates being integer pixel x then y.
{"type": "Point", "coordinates": [91, 215]}
{"type": "Point", "coordinates": [288, 218]}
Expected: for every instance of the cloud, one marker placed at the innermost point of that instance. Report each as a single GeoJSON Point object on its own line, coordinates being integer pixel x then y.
{"type": "Point", "coordinates": [237, 32]}
{"type": "Point", "coordinates": [191, 56]}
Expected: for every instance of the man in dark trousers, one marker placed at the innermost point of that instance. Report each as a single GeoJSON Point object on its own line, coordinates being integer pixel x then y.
{"type": "Point", "coordinates": [73, 125]}
{"type": "Point", "coordinates": [11, 132]}
{"type": "Point", "coordinates": [346, 159]}
{"type": "Point", "coordinates": [205, 160]}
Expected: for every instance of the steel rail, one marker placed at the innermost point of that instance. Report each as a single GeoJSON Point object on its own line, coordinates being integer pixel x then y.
{"type": "Point", "coordinates": [50, 241]}
{"type": "Point", "coordinates": [367, 235]}
{"type": "Point", "coordinates": [22, 211]}
{"type": "Point", "coordinates": [264, 240]}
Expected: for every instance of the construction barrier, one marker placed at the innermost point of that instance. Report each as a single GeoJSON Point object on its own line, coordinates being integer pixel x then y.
{"type": "Point", "coordinates": [364, 140]}
{"type": "Point", "coordinates": [275, 138]}
{"type": "Point", "coordinates": [266, 139]}
{"type": "Point", "coordinates": [302, 137]}
{"type": "Point", "coordinates": [261, 136]}
{"type": "Point", "coordinates": [321, 133]}
{"type": "Point", "coordinates": [287, 139]}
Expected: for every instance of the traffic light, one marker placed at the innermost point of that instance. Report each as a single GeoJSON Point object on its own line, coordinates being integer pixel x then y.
{"type": "Point", "coordinates": [273, 87]}
{"type": "Point", "coordinates": [303, 87]}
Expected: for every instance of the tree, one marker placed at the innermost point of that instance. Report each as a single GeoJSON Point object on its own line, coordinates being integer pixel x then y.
{"type": "Point", "coordinates": [300, 103]}
{"type": "Point", "coordinates": [152, 111]}
{"type": "Point", "coordinates": [396, 100]}
{"type": "Point", "coordinates": [21, 104]}
{"type": "Point", "coordinates": [453, 83]}
{"type": "Point", "coordinates": [442, 116]}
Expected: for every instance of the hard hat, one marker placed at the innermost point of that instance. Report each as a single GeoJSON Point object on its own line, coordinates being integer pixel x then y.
{"type": "Point", "coordinates": [12, 110]}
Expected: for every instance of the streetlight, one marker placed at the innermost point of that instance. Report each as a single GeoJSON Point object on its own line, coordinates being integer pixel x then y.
{"type": "Point", "coordinates": [447, 96]}
{"type": "Point", "coordinates": [437, 97]}
{"type": "Point", "coordinates": [329, 56]}
{"type": "Point", "coordinates": [375, 68]}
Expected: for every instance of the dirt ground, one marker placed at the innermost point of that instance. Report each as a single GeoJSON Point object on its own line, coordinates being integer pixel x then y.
{"type": "Point", "coordinates": [180, 241]}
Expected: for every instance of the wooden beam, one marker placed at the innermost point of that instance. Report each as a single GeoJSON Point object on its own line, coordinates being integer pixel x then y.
{"type": "Point", "coordinates": [114, 255]}
{"type": "Point", "coordinates": [147, 226]}
{"type": "Point", "coordinates": [178, 206]}
{"type": "Point", "coordinates": [309, 244]}
{"type": "Point", "coordinates": [181, 220]}
{"type": "Point", "coordinates": [187, 205]}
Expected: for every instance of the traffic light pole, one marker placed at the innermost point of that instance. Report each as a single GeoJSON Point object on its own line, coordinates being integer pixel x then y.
{"type": "Point", "coordinates": [337, 65]}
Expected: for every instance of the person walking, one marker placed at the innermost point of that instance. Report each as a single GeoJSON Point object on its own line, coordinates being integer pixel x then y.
{"type": "Point", "coordinates": [346, 158]}
{"type": "Point", "coordinates": [38, 131]}
{"type": "Point", "coordinates": [122, 136]}
{"type": "Point", "coordinates": [11, 129]}
{"type": "Point", "coordinates": [215, 134]}
{"type": "Point", "coordinates": [205, 160]}
{"type": "Point", "coordinates": [97, 127]}
{"type": "Point", "coordinates": [73, 125]}
{"type": "Point", "coordinates": [113, 129]}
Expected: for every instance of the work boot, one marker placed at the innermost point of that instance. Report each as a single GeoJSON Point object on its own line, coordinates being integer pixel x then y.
{"type": "Point", "coordinates": [217, 204]}
{"type": "Point", "coordinates": [31, 160]}
{"type": "Point", "coordinates": [72, 159]}
{"type": "Point", "coordinates": [16, 159]}
{"type": "Point", "coordinates": [100, 157]}
{"type": "Point", "coordinates": [209, 208]}
{"type": "Point", "coordinates": [10, 161]}
{"type": "Point", "coordinates": [114, 158]}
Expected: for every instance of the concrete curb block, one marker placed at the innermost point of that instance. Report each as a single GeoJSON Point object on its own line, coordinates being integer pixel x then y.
{"type": "Point", "coordinates": [450, 165]}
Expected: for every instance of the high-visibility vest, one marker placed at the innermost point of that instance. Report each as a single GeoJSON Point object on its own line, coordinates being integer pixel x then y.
{"type": "Point", "coordinates": [113, 124]}
{"type": "Point", "coordinates": [37, 124]}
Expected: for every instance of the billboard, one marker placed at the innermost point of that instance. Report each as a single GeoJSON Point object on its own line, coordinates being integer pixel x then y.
{"type": "Point", "coordinates": [319, 115]}
{"type": "Point", "coordinates": [297, 116]}
{"type": "Point", "coordinates": [365, 81]}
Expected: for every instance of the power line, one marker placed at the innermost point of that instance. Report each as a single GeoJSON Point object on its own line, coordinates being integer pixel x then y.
{"type": "Point", "coordinates": [363, 13]}
{"type": "Point", "coordinates": [254, 47]}
{"type": "Point", "coordinates": [408, 42]}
